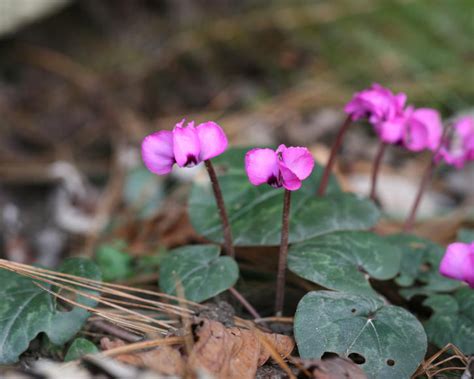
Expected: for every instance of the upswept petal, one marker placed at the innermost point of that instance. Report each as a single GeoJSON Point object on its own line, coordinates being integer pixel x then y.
{"type": "Point", "coordinates": [212, 139]}
{"type": "Point", "coordinates": [469, 268]}
{"type": "Point", "coordinates": [391, 131]}
{"type": "Point", "coordinates": [157, 152]}
{"type": "Point", "coordinates": [289, 179]}
{"type": "Point", "coordinates": [423, 130]}
{"type": "Point", "coordinates": [186, 145]}
{"type": "Point", "coordinates": [261, 165]}
{"type": "Point", "coordinates": [455, 260]}
{"type": "Point", "coordinates": [297, 159]}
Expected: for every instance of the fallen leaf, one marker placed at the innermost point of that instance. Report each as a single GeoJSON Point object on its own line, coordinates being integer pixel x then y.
{"type": "Point", "coordinates": [233, 353]}
{"type": "Point", "coordinates": [164, 359]}
{"type": "Point", "coordinates": [284, 345]}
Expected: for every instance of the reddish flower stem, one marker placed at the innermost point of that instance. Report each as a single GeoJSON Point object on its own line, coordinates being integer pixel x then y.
{"type": "Point", "coordinates": [421, 190]}
{"type": "Point", "coordinates": [376, 169]}
{"type": "Point", "coordinates": [332, 157]}
{"type": "Point", "coordinates": [410, 221]}
{"type": "Point", "coordinates": [281, 275]}
{"type": "Point", "coordinates": [228, 244]}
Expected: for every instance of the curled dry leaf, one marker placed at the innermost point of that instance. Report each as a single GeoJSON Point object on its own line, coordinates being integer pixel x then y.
{"type": "Point", "coordinates": [164, 359]}
{"type": "Point", "coordinates": [334, 368]}
{"type": "Point", "coordinates": [233, 352]}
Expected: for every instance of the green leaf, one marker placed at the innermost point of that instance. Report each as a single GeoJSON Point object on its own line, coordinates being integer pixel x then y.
{"type": "Point", "coordinates": [199, 270]}
{"type": "Point", "coordinates": [345, 260]}
{"type": "Point", "coordinates": [465, 235]}
{"type": "Point", "coordinates": [452, 320]}
{"type": "Point", "coordinates": [143, 191]}
{"type": "Point", "coordinates": [419, 266]}
{"type": "Point", "coordinates": [27, 310]}
{"type": "Point", "coordinates": [255, 212]}
{"type": "Point", "coordinates": [390, 339]}
{"type": "Point", "coordinates": [113, 262]}
{"type": "Point", "coordinates": [79, 348]}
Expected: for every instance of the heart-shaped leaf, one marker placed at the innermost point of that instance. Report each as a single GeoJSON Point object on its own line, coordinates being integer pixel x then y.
{"type": "Point", "coordinates": [345, 260]}
{"type": "Point", "coordinates": [420, 262]}
{"type": "Point", "coordinates": [388, 340]}
{"type": "Point", "coordinates": [255, 212]}
{"type": "Point", "coordinates": [199, 270]}
{"type": "Point", "coordinates": [27, 310]}
{"type": "Point", "coordinates": [453, 320]}
{"type": "Point", "coordinates": [80, 347]}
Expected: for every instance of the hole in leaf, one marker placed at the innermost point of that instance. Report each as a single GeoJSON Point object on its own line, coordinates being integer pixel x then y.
{"type": "Point", "coordinates": [329, 355]}
{"type": "Point", "coordinates": [390, 362]}
{"type": "Point", "coordinates": [356, 358]}
{"type": "Point", "coordinates": [426, 267]}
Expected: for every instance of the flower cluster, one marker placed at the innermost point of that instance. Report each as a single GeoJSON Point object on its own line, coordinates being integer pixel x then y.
{"type": "Point", "coordinates": [188, 146]}
{"type": "Point", "coordinates": [458, 262]}
{"type": "Point", "coordinates": [416, 129]}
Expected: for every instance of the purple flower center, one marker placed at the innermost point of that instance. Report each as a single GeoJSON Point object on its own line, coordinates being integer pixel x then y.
{"type": "Point", "coordinates": [191, 161]}
{"type": "Point", "coordinates": [274, 181]}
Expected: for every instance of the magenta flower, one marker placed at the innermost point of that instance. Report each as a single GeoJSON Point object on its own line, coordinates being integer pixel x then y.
{"type": "Point", "coordinates": [423, 129]}
{"type": "Point", "coordinates": [186, 146]}
{"type": "Point", "coordinates": [286, 167]}
{"type": "Point", "coordinates": [382, 108]}
{"type": "Point", "coordinates": [458, 262]}
{"type": "Point", "coordinates": [459, 147]}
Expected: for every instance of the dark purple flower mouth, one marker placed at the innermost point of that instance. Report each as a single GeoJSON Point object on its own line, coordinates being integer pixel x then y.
{"type": "Point", "coordinates": [274, 181]}
{"type": "Point", "coordinates": [191, 161]}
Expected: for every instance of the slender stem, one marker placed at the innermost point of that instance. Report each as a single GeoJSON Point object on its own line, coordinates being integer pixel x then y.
{"type": "Point", "coordinates": [425, 180]}
{"type": "Point", "coordinates": [332, 157]}
{"type": "Point", "coordinates": [376, 169]}
{"type": "Point", "coordinates": [245, 303]}
{"type": "Point", "coordinates": [421, 190]}
{"type": "Point", "coordinates": [229, 246]}
{"type": "Point", "coordinates": [281, 275]}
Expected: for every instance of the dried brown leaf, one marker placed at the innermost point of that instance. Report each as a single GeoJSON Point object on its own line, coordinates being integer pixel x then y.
{"type": "Point", "coordinates": [165, 360]}
{"type": "Point", "coordinates": [232, 352]}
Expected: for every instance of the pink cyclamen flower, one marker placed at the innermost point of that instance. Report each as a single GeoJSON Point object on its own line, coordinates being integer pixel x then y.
{"type": "Point", "coordinates": [459, 147]}
{"type": "Point", "coordinates": [186, 146]}
{"type": "Point", "coordinates": [458, 262]}
{"type": "Point", "coordinates": [382, 108]}
{"type": "Point", "coordinates": [423, 130]}
{"type": "Point", "coordinates": [286, 167]}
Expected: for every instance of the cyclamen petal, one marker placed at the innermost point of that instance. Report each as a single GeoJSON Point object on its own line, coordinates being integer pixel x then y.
{"type": "Point", "coordinates": [261, 166]}
{"type": "Point", "coordinates": [391, 131]}
{"type": "Point", "coordinates": [157, 152]}
{"type": "Point", "coordinates": [186, 145]}
{"type": "Point", "coordinates": [469, 270]}
{"type": "Point", "coordinates": [298, 159]}
{"type": "Point", "coordinates": [458, 262]}
{"type": "Point", "coordinates": [286, 167]}
{"type": "Point", "coordinates": [424, 129]}
{"type": "Point", "coordinates": [212, 139]}
{"type": "Point", "coordinates": [289, 179]}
